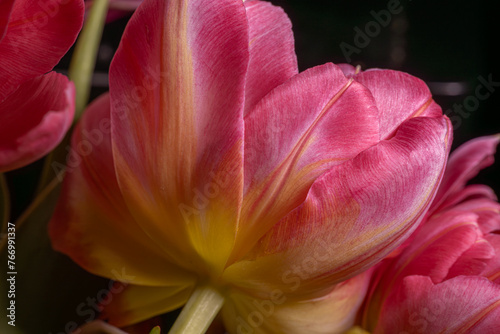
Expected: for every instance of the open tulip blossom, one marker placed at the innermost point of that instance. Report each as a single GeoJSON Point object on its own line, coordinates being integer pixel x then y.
{"type": "Point", "coordinates": [229, 177]}
{"type": "Point", "coordinates": [216, 177]}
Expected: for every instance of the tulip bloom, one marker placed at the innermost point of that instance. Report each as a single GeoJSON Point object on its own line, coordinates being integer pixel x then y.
{"type": "Point", "coordinates": [447, 280]}
{"type": "Point", "coordinates": [36, 109]}
{"type": "Point", "coordinates": [224, 166]}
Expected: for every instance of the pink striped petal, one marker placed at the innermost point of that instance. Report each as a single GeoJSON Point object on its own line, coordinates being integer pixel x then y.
{"type": "Point", "coordinates": [177, 95]}
{"type": "Point", "coordinates": [38, 34]}
{"type": "Point", "coordinates": [398, 95]}
{"type": "Point", "coordinates": [353, 216]}
{"type": "Point", "coordinates": [457, 306]}
{"type": "Point", "coordinates": [314, 121]}
{"type": "Point", "coordinates": [471, 191]}
{"type": "Point", "coordinates": [93, 224]}
{"type": "Point", "coordinates": [34, 119]}
{"type": "Point", "coordinates": [464, 163]}
{"type": "Point", "coordinates": [272, 51]}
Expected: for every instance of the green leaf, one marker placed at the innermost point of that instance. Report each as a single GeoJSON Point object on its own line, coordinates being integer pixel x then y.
{"type": "Point", "coordinates": [52, 294]}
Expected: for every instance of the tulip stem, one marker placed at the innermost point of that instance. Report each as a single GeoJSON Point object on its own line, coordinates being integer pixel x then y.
{"type": "Point", "coordinates": [199, 312]}
{"type": "Point", "coordinates": [84, 58]}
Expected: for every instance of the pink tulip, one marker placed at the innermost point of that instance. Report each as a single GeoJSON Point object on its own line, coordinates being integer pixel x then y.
{"type": "Point", "coordinates": [447, 280]}
{"type": "Point", "coordinates": [36, 109]}
{"type": "Point", "coordinates": [225, 165]}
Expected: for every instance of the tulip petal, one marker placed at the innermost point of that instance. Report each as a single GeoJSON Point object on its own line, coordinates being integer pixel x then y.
{"type": "Point", "coordinates": [138, 303]}
{"type": "Point", "coordinates": [314, 121]}
{"type": "Point", "coordinates": [353, 216]}
{"type": "Point", "coordinates": [34, 119]}
{"type": "Point", "coordinates": [492, 270]}
{"type": "Point", "coordinates": [470, 191]}
{"type": "Point", "coordinates": [38, 34]}
{"type": "Point", "coordinates": [93, 224]}
{"type": "Point", "coordinates": [5, 10]}
{"type": "Point", "coordinates": [177, 97]}
{"type": "Point", "coordinates": [399, 96]}
{"type": "Point", "coordinates": [333, 313]}
{"type": "Point", "coordinates": [465, 163]}
{"type": "Point", "coordinates": [460, 305]}
{"type": "Point", "coordinates": [272, 50]}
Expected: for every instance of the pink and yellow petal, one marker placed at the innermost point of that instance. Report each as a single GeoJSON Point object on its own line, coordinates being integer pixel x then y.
{"type": "Point", "coordinates": [134, 303]}
{"type": "Point", "coordinates": [333, 313]}
{"type": "Point", "coordinates": [38, 34]}
{"type": "Point", "coordinates": [353, 215]}
{"type": "Point", "coordinates": [34, 119]}
{"type": "Point", "coordinates": [272, 52]}
{"type": "Point", "coordinates": [177, 96]}
{"type": "Point", "coordinates": [316, 120]}
{"type": "Point", "coordinates": [92, 223]}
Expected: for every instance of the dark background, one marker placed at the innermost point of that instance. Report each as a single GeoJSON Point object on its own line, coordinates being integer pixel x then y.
{"type": "Point", "coordinates": [441, 42]}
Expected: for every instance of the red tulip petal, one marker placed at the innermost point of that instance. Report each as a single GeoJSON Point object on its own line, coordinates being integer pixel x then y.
{"type": "Point", "coordinates": [34, 119]}
{"type": "Point", "coordinates": [334, 313]}
{"type": "Point", "coordinates": [272, 50]}
{"type": "Point", "coordinates": [177, 94]}
{"type": "Point", "coordinates": [314, 121]}
{"type": "Point", "coordinates": [92, 223]}
{"type": "Point", "coordinates": [5, 10]}
{"type": "Point", "coordinates": [39, 33]}
{"type": "Point", "coordinates": [460, 305]}
{"type": "Point", "coordinates": [136, 303]}
{"type": "Point", "coordinates": [353, 216]}
{"type": "Point", "coordinates": [465, 163]}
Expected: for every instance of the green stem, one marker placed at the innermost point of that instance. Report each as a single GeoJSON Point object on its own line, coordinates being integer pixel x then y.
{"type": "Point", "coordinates": [199, 312]}
{"type": "Point", "coordinates": [80, 72]}
{"type": "Point", "coordinates": [83, 61]}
